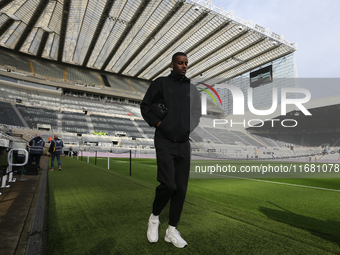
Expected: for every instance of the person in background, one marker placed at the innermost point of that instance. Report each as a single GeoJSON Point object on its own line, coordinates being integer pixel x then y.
{"type": "Point", "coordinates": [58, 144]}
{"type": "Point", "coordinates": [70, 151]}
{"type": "Point", "coordinates": [36, 146]}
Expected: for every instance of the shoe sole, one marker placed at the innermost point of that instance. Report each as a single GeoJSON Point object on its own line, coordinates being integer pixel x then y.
{"type": "Point", "coordinates": [152, 241]}
{"type": "Point", "coordinates": [167, 239]}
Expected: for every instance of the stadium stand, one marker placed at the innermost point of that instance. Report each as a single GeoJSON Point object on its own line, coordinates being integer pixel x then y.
{"type": "Point", "coordinates": [10, 93]}
{"type": "Point", "coordinates": [287, 138]}
{"type": "Point", "coordinates": [206, 121]}
{"type": "Point", "coordinates": [45, 100]}
{"type": "Point", "coordinates": [206, 141]}
{"type": "Point", "coordinates": [126, 125]}
{"type": "Point", "coordinates": [9, 116]}
{"type": "Point", "coordinates": [118, 118]}
{"type": "Point", "coordinates": [111, 125]}
{"type": "Point", "coordinates": [139, 85]}
{"type": "Point", "coordinates": [246, 138]}
{"type": "Point", "coordinates": [76, 103]}
{"type": "Point", "coordinates": [40, 69]}
{"type": "Point", "coordinates": [206, 136]}
{"type": "Point", "coordinates": [134, 110]}
{"type": "Point", "coordinates": [51, 71]}
{"type": "Point", "coordinates": [103, 123]}
{"type": "Point", "coordinates": [232, 137]}
{"type": "Point", "coordinates": [332, 156]}
{"type": "Point", "coordinates": [99, 140]}
{"type": "Point", "coordinates": [195, 137]}
{"type": "Point", "coordinates": [120, 115]}
{"type": "Point", "coordinates": [129, 143]}
{"type": "Point", "coordinates": [76, 74]}
{"type": "Point", "coordinates": [326, 138]}
{"type": "Point", "coordinates": [25, 115]}
{"type": "Point", "coordinates": [265, 140]}
{"type": "Point", "coordinates": [116, 108]}
{"type": "Point", "coordinates": [14, 61]}
{"type": "Point", "coordinates": [30, 93]}
{"type": "Point", "coordinates": [119, 83]}
{"type": "Point", "coordinates": [149, 143]}
{"type": "Point", "coordinates": [74, 122]}
{"type": "Point", "coordinates": [35, 116]}
{"type": "Point", "coordinates": [69, 138]}
{"type": "Point", "coordinates": [147, 130]}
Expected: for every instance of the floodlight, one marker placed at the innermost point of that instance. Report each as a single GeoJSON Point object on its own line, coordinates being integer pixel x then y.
{"type": "Point", "coordinates": [196, 8]}
{"type": "Point", "coordinates": [240, 28]}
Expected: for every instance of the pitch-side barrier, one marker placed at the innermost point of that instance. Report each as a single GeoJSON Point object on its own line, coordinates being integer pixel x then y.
{"type": "Point", "coordinates": [9, 171]}
{"type": "Point", "coordinates": [95, 154]}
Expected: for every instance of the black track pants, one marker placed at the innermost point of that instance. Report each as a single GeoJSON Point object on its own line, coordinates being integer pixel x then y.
{"type": "Point", "coordinates": [173, 166]}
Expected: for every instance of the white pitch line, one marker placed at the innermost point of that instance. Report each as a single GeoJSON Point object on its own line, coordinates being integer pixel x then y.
{"type": "Point", "coordinates": [283, 183]}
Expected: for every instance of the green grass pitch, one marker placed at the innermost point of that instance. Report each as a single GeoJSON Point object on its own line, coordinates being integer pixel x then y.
{"type": "Point", "coordinates": [93, 210]}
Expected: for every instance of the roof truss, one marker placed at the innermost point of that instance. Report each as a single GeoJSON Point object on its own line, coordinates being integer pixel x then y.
{"type": "Point", "coordinates": [138, 37]}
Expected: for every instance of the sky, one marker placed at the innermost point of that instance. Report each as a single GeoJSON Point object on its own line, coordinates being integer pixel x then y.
{"type": "Point", "coordinates": [313, 24]}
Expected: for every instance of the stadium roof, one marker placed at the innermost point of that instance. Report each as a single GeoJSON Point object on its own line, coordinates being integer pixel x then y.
{"type": "Point", "coordinates": [137, 38]}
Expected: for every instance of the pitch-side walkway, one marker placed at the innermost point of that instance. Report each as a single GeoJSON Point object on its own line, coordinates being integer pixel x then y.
{"type": "Point", "coordinates": [23, 215]}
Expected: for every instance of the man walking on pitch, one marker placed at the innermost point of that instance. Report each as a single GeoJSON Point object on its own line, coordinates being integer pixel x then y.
{"type": "Point", "coordinates": [58, 145]}
{"type": "Point", "coordinates": [172, 105]}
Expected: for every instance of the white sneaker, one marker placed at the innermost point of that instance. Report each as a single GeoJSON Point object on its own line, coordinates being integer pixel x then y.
{"type": "Point", "coordinates": [175, 238]}
{"type": "Point", "coordinates": [152, 233]}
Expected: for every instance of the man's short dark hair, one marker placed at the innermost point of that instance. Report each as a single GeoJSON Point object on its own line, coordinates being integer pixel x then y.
{"type": "Point", "coordinates": [178, 54]}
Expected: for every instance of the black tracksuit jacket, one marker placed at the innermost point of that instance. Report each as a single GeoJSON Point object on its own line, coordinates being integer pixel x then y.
{"type": "Point", "coordinates": [183, 103]}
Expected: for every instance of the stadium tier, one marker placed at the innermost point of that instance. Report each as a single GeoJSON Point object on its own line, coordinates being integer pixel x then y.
{"type": "Point", "coordinates": [112, 125]}
{"type": "Point", "coordinates": [81, 75]}
{"type": "Point", "coordinates": [65, 113]}
{"type": "Point", "coordinates": [15, 61]}
{"type": "Point", "coordinates": [35, 116]}
{"type": "Point", "coordinates": [9, 116]}
{"type": "Point", "coordinates": [70, 138]}
{"type": "Point", "coordinates": [74, 123]}
{"type": "Point", "coordinates": [204, 138]}
{"type": "Point", "coordinates": [147, 130]}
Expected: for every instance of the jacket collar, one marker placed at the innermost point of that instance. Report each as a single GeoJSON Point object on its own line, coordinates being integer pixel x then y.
{"type": "Point", "coordinates": [177, 77]}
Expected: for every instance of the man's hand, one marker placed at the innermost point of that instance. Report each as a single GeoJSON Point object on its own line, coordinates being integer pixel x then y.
{"type": "Point", "coordinates": [158, 124]}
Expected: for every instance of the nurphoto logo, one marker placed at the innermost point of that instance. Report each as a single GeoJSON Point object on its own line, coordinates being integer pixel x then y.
{"type": "Point", "coordinates": [238, 104]}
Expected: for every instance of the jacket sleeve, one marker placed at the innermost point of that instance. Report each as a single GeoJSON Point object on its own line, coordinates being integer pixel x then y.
{"type": "Point", "coordinates": [151, 96]}
{"type": "Point", "coordinates": [196, 111]}
{"type": "Point", "coordinates": [51, 145]}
